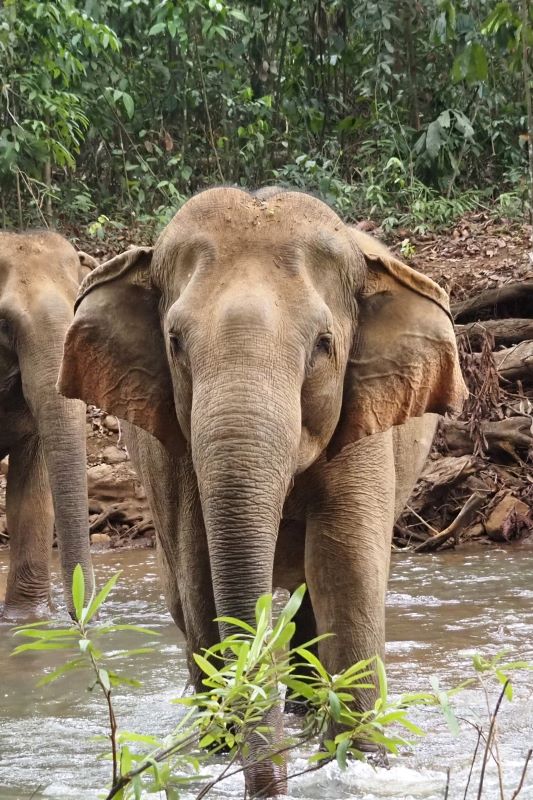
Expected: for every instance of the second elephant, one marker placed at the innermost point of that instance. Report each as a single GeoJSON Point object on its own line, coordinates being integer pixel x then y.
{"type": "Point", "coordinates": [42, 432]}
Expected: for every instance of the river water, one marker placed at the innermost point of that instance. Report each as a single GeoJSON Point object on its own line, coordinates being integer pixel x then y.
{"type": "Point", "coordinates": [441, 609]}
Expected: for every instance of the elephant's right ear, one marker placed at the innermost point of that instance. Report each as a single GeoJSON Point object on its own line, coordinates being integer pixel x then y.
{"type": "Point", "coordinates": [114, 355]}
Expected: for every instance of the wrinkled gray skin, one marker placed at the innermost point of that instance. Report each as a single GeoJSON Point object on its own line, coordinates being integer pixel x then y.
{"type": "Point", "coordinates": [263, 353]}
{"type": "Point", "coordinates": [41, 431]}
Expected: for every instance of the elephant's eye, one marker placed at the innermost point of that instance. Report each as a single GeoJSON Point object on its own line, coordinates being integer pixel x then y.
{"type": "Point", "coordinates": [176, 343]}
{"type": "Point", "coordinates": [324, 344]}
{"type": "Point", "coordinates": [4, 329]}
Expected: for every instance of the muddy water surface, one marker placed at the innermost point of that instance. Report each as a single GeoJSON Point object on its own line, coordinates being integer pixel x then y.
{"type": "Point", "coordinates": [441, 609]}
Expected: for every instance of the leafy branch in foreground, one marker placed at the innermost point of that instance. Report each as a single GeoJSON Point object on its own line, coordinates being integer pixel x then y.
{"type": "Point", "coordinates": [80, 638]}
{"type": "Point", "coordinates": [243, 676]}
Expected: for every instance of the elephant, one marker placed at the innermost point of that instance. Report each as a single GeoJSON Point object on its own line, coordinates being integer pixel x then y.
{"type": "Point", "coordinates": [275, 369]}
{"type": "Point", "coordinates": [42, 432]}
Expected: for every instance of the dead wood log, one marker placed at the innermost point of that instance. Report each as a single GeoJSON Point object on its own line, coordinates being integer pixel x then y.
{"type": "Point", "coordinates": [515, 363]}
{"type": "Point", "coordinates": [462, 521]}
{"type": "Point", "coordinates": [436, 480]}
{"type": "Point", "coordinates": [447, 470]}
{"type": "Point", "coordinates": [516, 298]}
{"type": "Point", "coordinates": [512, 435]}
{"type": "Point", "coordinates": [504, 331]}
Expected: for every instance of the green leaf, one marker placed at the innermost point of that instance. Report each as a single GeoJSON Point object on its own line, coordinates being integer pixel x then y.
{"type": "Point", "coordinates": [237, 623]}
{"type": "Point", "coordinates": [313, 660]}
{"type": "Point", "coordinates": [241, 660]}
{"type": "Point", "coordinates": [334, 706]}
{"type": "Point", "coordinates": [205, 665]}
{"type": "Point", "coordinates": [341, 753]}
{"type": "Point", "coordinates": [444, 119]}
{"type": "Point", "coordinates": [157, 28]}
{"type": "Point", "coordinates": [50, 634]}
{"type": "Point", "coordinates": [294, 603]}
{"type": "Point", "coordinates": [22, 648]}
{"type": "Point", "coordinates": [504, 680]}
{"type": "Point", "coordinates": [100, 598]}
{"type": "Point", "coordinates": [78, 590]}
{"type": "Point", "coordinates": [299, 687]}
{"type": "Point", "coordinates": [263, 608]}
{"type": "Point", "coordinates": [103, 676]}
{"type": "Point", "coordinates": [382, 681]}
{"type": "Point", "coordinates": [127, 736]}
{"type": "Point", "coordinates": [128, 103]}
{"type": "Point", "coordinates": [434, 139]}
{"type": "Point", "coordinates": [70, 666]}
{"type": "Point", "coordinates": [234, 12]}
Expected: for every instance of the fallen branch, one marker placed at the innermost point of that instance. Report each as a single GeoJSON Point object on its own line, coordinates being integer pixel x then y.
{"type": "Point", "coordinates": [511, 436]}
{"type": "Point", "coordinates": [515, 363]}
{"type": "Point", "coordinates": [462, 520]}
{"type": "Point", "coordinates": [516, 296]}
{"type": "Point", "coordinates": [504, 331]}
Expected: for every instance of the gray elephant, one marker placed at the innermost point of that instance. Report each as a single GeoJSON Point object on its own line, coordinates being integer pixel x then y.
{"type": "Point", "coordinates": [262, 352]}
{"type": "Point", "coordinates": [43, 433]}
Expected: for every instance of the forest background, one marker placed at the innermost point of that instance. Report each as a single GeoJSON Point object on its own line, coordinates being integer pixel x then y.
{"type": "Point", "coordinates": [410, 112]}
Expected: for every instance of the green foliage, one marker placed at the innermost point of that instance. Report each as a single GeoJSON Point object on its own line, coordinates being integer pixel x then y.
{"type": "Point", "coordinates": [242, 676]}
{"type": "Point", "coordinates": [128, 107]}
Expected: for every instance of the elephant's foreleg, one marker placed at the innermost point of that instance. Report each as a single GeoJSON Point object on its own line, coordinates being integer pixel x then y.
{"type": "Point", "coordinates": [183, 556]}
{"type": "Point", "coordinates": [348, 551]}
{"type": "Point", "coordinates": [30, 522]}
{"type": "Point", "coordinates": [158, 472]}
{"type": "Point", "coordinates": [194, 572]}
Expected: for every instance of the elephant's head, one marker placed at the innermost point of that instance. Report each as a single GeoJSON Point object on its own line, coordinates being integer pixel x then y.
{"type": "Point", "coordinates": [259, 333]}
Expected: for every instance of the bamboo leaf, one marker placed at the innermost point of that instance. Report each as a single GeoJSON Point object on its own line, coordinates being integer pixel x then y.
{"type": "Point", "coordinates": [78, 590]}
{"type": "Point", "coordinates": [100, 598]}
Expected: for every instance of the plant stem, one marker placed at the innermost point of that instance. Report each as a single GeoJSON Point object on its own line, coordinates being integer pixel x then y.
{"type": "Point", "coordinates": [479, 734]}
{"type": "Point", "coordinates": [522, 777]}
{"type": "Point", "coordinates": [489, 738]}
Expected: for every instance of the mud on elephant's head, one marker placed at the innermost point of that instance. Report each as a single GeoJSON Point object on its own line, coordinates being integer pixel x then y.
{"type": "Point", "coordinates": [270, 307]}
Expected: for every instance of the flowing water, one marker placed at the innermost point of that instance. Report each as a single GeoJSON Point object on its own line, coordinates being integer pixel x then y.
{"type": "Point", "coordinates": [441, 609]}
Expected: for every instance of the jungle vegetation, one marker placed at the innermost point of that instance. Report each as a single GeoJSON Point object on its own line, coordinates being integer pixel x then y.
{"type": "Point", "coordinates": [410, 111]}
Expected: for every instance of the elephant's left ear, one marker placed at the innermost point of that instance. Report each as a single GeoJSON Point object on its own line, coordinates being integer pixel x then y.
{"type": "Point", "coordinates": [87, 264]}
{"type": "Point", "coordinates": [114, 353]}
{"type": "Point", "coordinates": [404, 359]}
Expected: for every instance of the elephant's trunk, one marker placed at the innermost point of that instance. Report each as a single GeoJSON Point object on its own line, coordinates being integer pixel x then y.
{"type": "Point", "coordinates": [61, 428]}
{"type": "Point", "coordinates": [244, 442]}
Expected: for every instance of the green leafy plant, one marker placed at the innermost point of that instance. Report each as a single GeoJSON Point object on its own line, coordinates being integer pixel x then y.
{"type": "Point", "coordinates": [242, 676]}
{"type": "Point", "coordinates": [82, 637]}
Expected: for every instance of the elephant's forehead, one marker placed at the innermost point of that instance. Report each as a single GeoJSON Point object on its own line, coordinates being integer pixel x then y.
{"type": "Point", "coordinates": [24, 256]}
{"type": "Point", "coordinates": [228, 222]}
{"type": "Point", "coordinates": [227, 209]}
